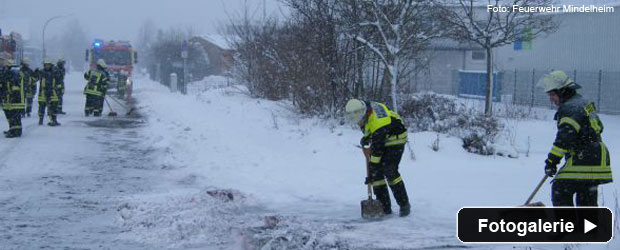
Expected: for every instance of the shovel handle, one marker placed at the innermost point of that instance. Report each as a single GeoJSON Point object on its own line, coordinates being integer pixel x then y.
{"type": "Point", "coordinates": [106, 101]}
{"type": "Point", "coordinates": [366, 152]}
{"type": "Point", "coordinates": [536, 190]}
{"type": "Point", "coordinates": [118, 102]}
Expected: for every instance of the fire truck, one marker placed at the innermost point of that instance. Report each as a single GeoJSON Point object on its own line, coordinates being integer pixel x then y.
{"type": "Point", "coordinates": [120, 59]}
{"type": "Point", "coordinates": [11, 47]}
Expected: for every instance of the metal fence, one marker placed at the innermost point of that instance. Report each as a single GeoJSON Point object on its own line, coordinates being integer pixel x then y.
{"type": "Point", "coordinates": [519, 87]}
{"type": "Point", "coordinates": [600, 87]}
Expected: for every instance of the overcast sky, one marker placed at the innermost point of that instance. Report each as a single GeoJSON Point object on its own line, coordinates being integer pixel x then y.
{"type": "Point", "coordinates": [120, 19]}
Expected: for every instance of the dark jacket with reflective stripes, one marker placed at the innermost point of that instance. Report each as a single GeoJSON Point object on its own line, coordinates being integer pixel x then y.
{"type": "Point", "coordinates": [383, 128]}
{"type": "Point", "coordinates": [60, 86]}
{"type": "Point", "coordinates": [13, 91]}
{"type": "Point", "coordinates": [97, 84]}
{"type": "Point", "coordinates": [48, 80]}
{"type": "Point", "coordinates": [579, 141]}
{"type": "Point", "coordinates": [30, 81]}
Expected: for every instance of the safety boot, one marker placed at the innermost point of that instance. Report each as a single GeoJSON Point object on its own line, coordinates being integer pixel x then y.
{"type": "Point", "coordinates": [401, 197]}
{"type": "Point", "coordinates": [10, 135]}
{"type": "Point", "coordinates": [40, 120]}
{"type": "Point", "coordinates": [405, 210]}
{"type": "Point", "coordinates": [382, 194]}
{"type": "Point", "coordinates": [53, 122]}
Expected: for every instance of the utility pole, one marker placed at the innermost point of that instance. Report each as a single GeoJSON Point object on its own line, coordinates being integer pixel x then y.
{"type": "Point", "coordinates": [184, 55]}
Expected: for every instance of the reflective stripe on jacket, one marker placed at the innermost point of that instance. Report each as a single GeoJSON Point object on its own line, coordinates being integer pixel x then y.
{"type": "Point", "coordinates": [14, 92]}
{"type": "Point", "coordinates": [47, 86]}
{"type": "Point", "coordinates": [579, 142]}
{"type": "Point", "coordinates": [97, 82]}
{"type": "Point", "coordinates": [383, 128]}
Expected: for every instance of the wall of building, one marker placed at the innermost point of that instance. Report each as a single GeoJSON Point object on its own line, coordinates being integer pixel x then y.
{"type": "Point", "coordinates": [584, 41]}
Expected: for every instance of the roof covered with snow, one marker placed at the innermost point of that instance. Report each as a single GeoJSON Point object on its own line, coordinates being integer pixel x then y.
{"type": "Point", "coordinates": [218, 40]}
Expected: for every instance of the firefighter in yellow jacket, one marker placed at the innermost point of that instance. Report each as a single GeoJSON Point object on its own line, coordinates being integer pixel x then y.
{"type": "Point", "coordinates": [13, 99]}
{"type": "Point", "coordinates": [578, 141]}
{"type": "Point", "coordinates": [96, 88]}
{"type": "Point", "coordinates": [47, 96]}
{"type": "Point", "coordinates": [386, 134]}
{"type": "Point", "coordinates": [30, 84]}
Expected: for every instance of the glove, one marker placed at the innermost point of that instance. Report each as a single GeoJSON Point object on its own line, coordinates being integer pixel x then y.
{"type": "Point", "coordinates": [365, 141]}
{"type": "Point", "coordinates": [550, 168]}
{"type": "Point", "coordinates": [367, 181]}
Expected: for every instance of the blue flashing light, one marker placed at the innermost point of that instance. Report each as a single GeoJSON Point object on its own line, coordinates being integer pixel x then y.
{"type": "Point", "coordinates": [98, 43]}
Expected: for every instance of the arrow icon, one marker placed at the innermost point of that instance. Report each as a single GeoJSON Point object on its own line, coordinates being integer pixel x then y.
{"type": "Point", "coordinates": [587, 226]}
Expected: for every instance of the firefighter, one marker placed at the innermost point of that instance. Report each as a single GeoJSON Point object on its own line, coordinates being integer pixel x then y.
{"type": "Point", "coordinates": [48, 96]}
{"type": "Point", "coordinates": [30, 84]}
{"type": "Point", "coordinates": [121, 86]}
{"type": "Point", "coordinates": [95, 89]}
{"type": "Point", "coordinates": [578, 141]}
{"type": "Point", "coordinates": [60, 70]}
{"type": "Point", "coordinates": [13, 99]}
{"type": "Point", "coordinates": [3, 82]}
{"type": "Point", "coordinates": [386, 134]}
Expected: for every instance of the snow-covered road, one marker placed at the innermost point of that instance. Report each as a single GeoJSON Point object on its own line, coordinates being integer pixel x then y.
{"type": "Point", "coordinates": [60, 187]}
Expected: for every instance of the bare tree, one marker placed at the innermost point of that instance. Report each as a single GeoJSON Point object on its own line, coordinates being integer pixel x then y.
{"type": "Point", "coordinates": [475, 21]}
{"type": "Point", "coordinates": [73, 42]}
{"type": "Point", "coordinates": [165, 51]}
{"type": "Point", "coordinates": [146, 38]}
{"type": "Point", "coordinates": [321, 17]}
{"type": "Point", "coordinates": [392, 29]}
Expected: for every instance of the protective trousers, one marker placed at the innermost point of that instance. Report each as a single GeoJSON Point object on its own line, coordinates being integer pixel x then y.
{"type": "Point", "coordinates": [59, 109]}
{"type": "Point", "coordinates": [14, 117]}
{"type": "Point", "coordinates": [387, 173]}
{"type": "Point", "coordinates": [563, 192]}
{"type": "Point", "coordinates": [51, 109]}
{"type": "Point", "coordinates": [99, 108]}
{"type": "Point", "coordinates": [94, 105]}
{"type": "Point", "coordinates": [29, 105]}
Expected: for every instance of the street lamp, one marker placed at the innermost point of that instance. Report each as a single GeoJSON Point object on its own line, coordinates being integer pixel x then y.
{"type": "Point", "coordinates": [45, 27]}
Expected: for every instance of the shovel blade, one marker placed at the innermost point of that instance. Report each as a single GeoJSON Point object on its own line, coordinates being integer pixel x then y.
{"type": "Point", "coordinates": [130, 111]}
{"type": "Point", "coordinates": [372, 209]}
{"type": "Point", "coordinates": [535, 204]}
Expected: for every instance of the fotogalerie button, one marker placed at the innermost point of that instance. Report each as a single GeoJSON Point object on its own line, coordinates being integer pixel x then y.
{"type": "Point", "coordinates": [534, 225]}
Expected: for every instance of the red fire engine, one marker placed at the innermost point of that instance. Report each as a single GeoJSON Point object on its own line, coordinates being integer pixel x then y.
{"type": "Point", "coordinates": [120, 59]}
{"type": "Point", "coordinates": [11, 47]}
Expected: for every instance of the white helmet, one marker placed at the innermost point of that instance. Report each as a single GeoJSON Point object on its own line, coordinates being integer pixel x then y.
{"type": "Point", "coordinates": [556, 80]}
{"type": "Point", "coordinates": [9, 63]}
{"type": "Point", "coordinates": [47, 61]}
{"type": "Point", "coordinates": [26, 61]}
{"type": "Point", "coordinates": [101, 63]}
{"type": "Point", "coordinates": [355, 110]}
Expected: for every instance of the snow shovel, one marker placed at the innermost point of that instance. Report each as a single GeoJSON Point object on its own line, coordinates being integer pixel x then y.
{"type": "Point", "coordinates": [112, 113]}
{"type": "Point", "coordinates": [129, 110]}
{"type": "Point", "coordinates": [529, 199]}
{"type": "Point", "coordinates": [371, 208]}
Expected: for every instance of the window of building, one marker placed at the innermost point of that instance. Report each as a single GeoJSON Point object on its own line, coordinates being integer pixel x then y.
{"type": "Point", "coordinates": [478, 55]}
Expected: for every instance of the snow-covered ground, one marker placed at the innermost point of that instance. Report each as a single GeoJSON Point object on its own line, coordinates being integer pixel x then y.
{"type": "Point", "coordinates": [309, 173]}
{"type": "Point", "coordinates": [216, 169]}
